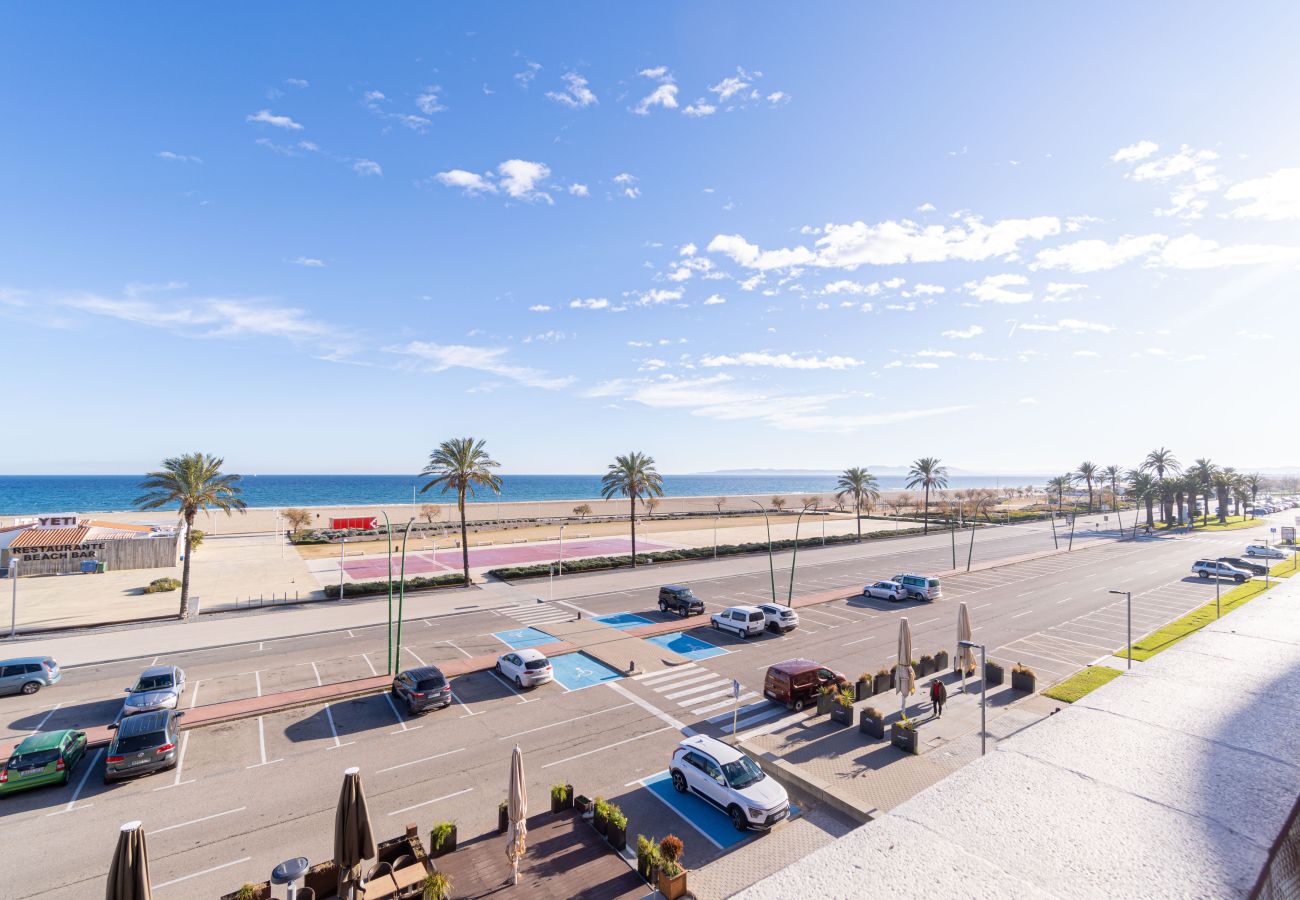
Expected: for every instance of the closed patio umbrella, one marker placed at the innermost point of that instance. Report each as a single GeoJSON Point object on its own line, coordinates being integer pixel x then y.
{"type": "Point", "coordinates": [905, 679]}
{"type": "Point", "coordinates": [965, 655]}
{"type": "Point", "coordinates": [128, 876]}
{"type": "Point", "coordinates": [517, 840]}
{"type": "Point", "coordinates": [353, 841]}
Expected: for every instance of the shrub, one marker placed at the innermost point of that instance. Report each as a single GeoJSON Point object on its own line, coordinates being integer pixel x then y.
{"type": "Point", "coordinates": [615, 816]}
{"type": "Point", "coordinates": [669, 867]}
{"type": "Point", "coordinates": [160, 585]}
{"type": "Point", "coordinates": [419, 583]}
{"type": "Point", "coordinates": [866, 676]}
{"type": "Point", "coordinates": [601, 808]}
{"type": "Point", "coordinates": [646, 848]}
{"type": "Point", "coordinates": [559, 792]}
{"type": "Point", "coordinates": [439, 834]}
{"type": "Point", "coordinates": [874, 713]}
{"type": "Point", "coordinates": [436, 886]}
{"type": "Point", "coordinates": [1018, 669]}
{"type": "Point", "coordinates": [247, 891]}
{"type": "Point", "coordinates": [883, 671]}
{"type": "Point", "coordinates": [927, 659]}
{"type": "Point", "coordinates": [844, 697]}
{"type": "Point", "coordinates": [670, 848]}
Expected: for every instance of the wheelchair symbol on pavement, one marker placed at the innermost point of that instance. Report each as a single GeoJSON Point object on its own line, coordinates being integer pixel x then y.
{"type": "Point", "coordinates": [580, 672]}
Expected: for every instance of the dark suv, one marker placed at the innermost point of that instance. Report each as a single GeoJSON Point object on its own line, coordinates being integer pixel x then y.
{"type": "Point", "coordinates": [422, 689]}
{"type": "Point", "coordinates": [143, 743]}
{"type": "Point", "coordinates": [679, 599]}
{"type": "Point", "coordinates": [1251, 567]}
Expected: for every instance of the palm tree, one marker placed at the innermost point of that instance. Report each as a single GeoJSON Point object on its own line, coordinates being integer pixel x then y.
{"type": "Point", "coordinates": [1254, 481]}
{"type": "Point", "coordinates": [1202, 472]}
{"type": "Point", "coordinates": [1142, 488]}
{"type": "Point", "coordinates": [632, 476]}
{"type": "Point", "coordinates": [1224, 480]}
{"type": "Point", "coordinates": [1162, 462]}
{"type": "Point", "coordinates": [194, 482]}
{"type": "Point", "coordinates": [1241, 493]}
{"type": "Point", "coordinates": [1112, 474]}
{"type": "Point", "coordinates": [462, 465]}
{"type": "Point", "coordinates": [1088, 471]}
{"type": "Point", "coordinates": [927, 473]}
{"type": "Point", "coordinates": [1060, 484]}
{"type": "Point", "coordinates": [861, 485]}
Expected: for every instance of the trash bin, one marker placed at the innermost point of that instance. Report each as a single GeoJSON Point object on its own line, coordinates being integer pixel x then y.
{"type": "Point", "coordinates": [89, 567]}
{"type": "Point", "coordinates": [101, 568]}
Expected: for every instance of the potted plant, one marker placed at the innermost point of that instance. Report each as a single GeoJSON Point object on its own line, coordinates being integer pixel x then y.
{"type": "Point", "coordinates": [442, 839]}
{"type": "Point", "coordinates": [600, 815]}
{"type": "Point", "coordinates": [436, 886]}
{"type": "Point", "coordinates": [561, 797]}
{"type": "Point", "coordinates": [616, 828]}
{"type": "Point", "coordinates": [503, 816]}
{"type": "Point", "coordinates": [864, 686]}
{"type": "Point", "coordinates": [672, 877]}
{"type": "Point", "coordinates": [825, 699]}
{"type": "Point", "coordinates": [842, 711]}
{"type": "Point", "coordinates": [884, 681]}
{"type": "Point", "coordinates": [941, 660]}
{"type": "Point", "coordinates": [1023, 678]}
{"type": "Point", "coordinates": [249, 891]}
{"type": "Point", "coordinates": [871, 722]}
{"type": "Point", "coordinates": [904, 736]}
{"type": "Point", "coordinates": [583, 805]}
{"type": "Point", "coordinates": [893, 677]}
{"type": "Point", "coordinates": [992, 673]}
{"type": "Point", "coordinates": [647, 857]}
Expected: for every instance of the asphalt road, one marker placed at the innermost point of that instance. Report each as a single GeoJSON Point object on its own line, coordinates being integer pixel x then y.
{"type": "Point", "coordinates": [251, 793]}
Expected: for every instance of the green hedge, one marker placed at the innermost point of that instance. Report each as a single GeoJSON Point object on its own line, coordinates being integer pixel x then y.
{"type": "Point", "coordinates": [596, 563]}
{"type": "Point", "coordinates": [364, 588]}
{"type": "Point", "coordinates": [161, 585]}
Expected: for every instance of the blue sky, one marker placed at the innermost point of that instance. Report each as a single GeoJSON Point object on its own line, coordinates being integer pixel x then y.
{"type": "Point", "coordinates": [322, 237]}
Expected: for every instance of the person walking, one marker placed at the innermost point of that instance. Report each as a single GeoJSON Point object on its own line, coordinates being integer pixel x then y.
{"type": "Point", "coordinates": [938, 695]}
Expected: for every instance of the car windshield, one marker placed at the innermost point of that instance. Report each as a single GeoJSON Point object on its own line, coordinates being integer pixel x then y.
{"type": "Point", "coordinates": [137, 742]}
{"type": "Point", "coordinates": [742, 773]}
{"type": "Point", "coordinates": [34, 760]}
{"type": "Point", "coordinates": [430, 684]}
{"type": "Point", "coordinates": [534, 664]}
{"type": "Point", "coordinates": [153, 683]}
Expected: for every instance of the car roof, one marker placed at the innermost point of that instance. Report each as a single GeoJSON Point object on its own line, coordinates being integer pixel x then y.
{"type": "Point", "coordinates": [424, 672]}
{"type": "Point", "coordinates": [157, 670]}
{"type": "Point", "coordinates": [674, 587]}
{"type": "Point", "coordinates": [143, 723]}
{"type": "Point", "coordinates": [745, 608]}
{"type": "Point", "coordinates": [723, 753]}
{"type": "Point", "coordinates": [530, 653]}
{"type": "Point", "coordinates": [23, 660]}
{"type": "Point", "coordinates": [795, 666]}
{"type": "Point", "coordinates": [777, 605]}
{"type": "Point", "coordinates": [46, 740]}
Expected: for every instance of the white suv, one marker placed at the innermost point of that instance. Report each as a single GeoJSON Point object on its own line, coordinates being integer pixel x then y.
{"type": "Point", "coordinates": [742, 621]}
{"type": "Point", "coordinates": [1265, 551]}
{"type": "Point", "coordinates": [779, 617]}
{"type": "Point", "coordinates": [727, 779]}
{"type": "Point", "coordinates": [1208, 568]}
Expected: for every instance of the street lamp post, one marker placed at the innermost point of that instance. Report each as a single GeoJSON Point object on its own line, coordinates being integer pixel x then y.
{"type": "Point", "coordinates": [984, 732]}
{"type": "Point", "coordinates": [789, 597]}
{"type": "Point", "coordinates": [401, 593]}
{"type": "Point", "coordinates": [388, 530]}
{"type": "Point", "coordinates": [343, 552]}
{"type": "Point", "coordinates": [560, 563]}
{"type": "Point", "coordinates": [13, 608]}
{"type": "Point", "coordinates": [771, 565]}
{"type": "Point", "coordinates": [715, 536]}
{"type": "Point", "coordinates": [1128, 596]}
{"type": "Point", "coordinates": [1217, 590]}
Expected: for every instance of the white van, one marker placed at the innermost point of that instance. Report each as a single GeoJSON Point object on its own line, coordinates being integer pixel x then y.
{"type": "Point", "coordinates": [743, 621]}
{"type": "Point", "coordinates": [920, 586]}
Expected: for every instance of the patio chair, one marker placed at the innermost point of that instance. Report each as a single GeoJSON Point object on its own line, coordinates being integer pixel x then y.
{"type": "Point", "coordinates": [306, 893]}
{"type": "Point", "coordinates": [403, 861]}
{"type": "Point", "coordinates": [378, 870]}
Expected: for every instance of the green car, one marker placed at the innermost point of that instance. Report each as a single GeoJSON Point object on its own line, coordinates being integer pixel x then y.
{"type": "Point", "coordinates": [41, 759]}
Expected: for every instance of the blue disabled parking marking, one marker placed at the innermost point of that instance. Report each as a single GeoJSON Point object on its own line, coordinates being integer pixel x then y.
{"type": "Point", "coordinates": [687, 646]}
{"type": "Point", "coordinates": [623, 621]}
{"type": "Point", "coordinates": [703, 817]}
{"type": "Point", "coordinates": [522, 638]}
{"type": "Point", "coordinates": [575, 671]}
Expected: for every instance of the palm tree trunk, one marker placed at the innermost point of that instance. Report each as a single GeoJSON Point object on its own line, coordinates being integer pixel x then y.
{"type": "Point", "coordinates": [1151, 515]}
{"type": "Point", "coordinates": [857, 509]}
{"type": "Point", "coordinates": [632, 516]}
{"type": "Point", "coordinates": [464, 534]}
{"type": "Point", "coordinates": [927, 510]}
{"type": "Point", "coordinates": [1090, 496]}
{"type": "Point", "coordinates": [185, 571]}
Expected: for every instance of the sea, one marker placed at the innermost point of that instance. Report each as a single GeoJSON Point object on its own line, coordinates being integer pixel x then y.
{"type": "Point", "coordinates": [26, 495]}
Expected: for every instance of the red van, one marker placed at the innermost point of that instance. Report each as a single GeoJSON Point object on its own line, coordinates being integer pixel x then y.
{"type": "Point", "coordinates": [796, 682]}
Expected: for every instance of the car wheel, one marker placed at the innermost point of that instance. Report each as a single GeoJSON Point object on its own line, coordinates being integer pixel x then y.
{"type": "Point", "coordinates": [797, 706]}
{"type": "Point", "coordinates": [717, 627]}
{"type": "Point", "coordinates": [499, 672]}
{"type": "Point", "coordinates": [410, 708]}
{"type": "Point", "coordinates": [663, 607]}
{"type": "Point", "coordinates": [738, 820]}
{"type": "Point", "coordinates": [679, 782]}
{"type": "Point", "coordinates": [1203, 574]}
{"type": "Point", "coordinates": [1250, 552]}
{"type": "Point", "coordinates": [519, 681]}
{"type": "Point", "coordinates": [31, 687]}
{"type": "Point", "coordinates": [1239, 578]}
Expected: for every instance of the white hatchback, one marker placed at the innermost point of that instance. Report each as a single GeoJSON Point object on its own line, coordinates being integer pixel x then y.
{"type": "Point", "coordinates": [742, 621]}
{"type": "Point", "coordinates": [526, 668]}
{"type": "Point", "coordinates": [885, 590]}
{"type": "Point", "coordinates": [779, 617]}
{"type": "Point", "coordinates": [1265, 552]}
{"type": "Point", "coordinates": [729, 781]}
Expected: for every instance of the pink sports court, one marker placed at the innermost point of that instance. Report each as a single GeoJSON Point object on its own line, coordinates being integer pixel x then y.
{"type": "Point", "coordinates": [448, 560]}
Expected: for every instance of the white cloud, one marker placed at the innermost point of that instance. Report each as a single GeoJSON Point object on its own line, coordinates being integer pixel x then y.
{"type": "Point", "coordinates": [1181, 163]}
{"type": "Point", "coordinates": [429, 102]}
{"type": "Point", "coordinates": [782, 361]}
{"type": "Point", "coordinates": [539, 308]}
{"type": "Point", "coordinates": [964, 333]}
{"type": "Point", "coordinates": [631, 193]}
{"type": "Point", "coordinates": [995, 289]}
{"type": "Point", "coordinates": [819, 305]}
{"type": "Point", "coordinates": [751, 257]}
{"type": "Point", "coordinates": [1135, 152]}
{"type": "Point", "coordinates": [699, 109]}
{"type": "Point", "coordinates": [1096, 255]}
{"type": "Point", "coordinates": [664, 95]}
{"type": "Point", "coordinates": [1029, 401]}
{"type": "Point", "coordinates": [925, 207]}
{"type": "Point", "coordinates": [520, 177]}
{"type": "Point", "coordinates": [658, 72]}
{"type": "Point", "coordinates": [1086, 354]}
{"type": "Point", "coordinates": [525, 77]}
{"type": "Point", "coordinates": [652, 365]}
{"type": "Point", "coordinates": [309, 262]}
{"type": "Point", "coordinates": [936, 354]}
{"type": "Point", "coordinates": [928, 289]}
{"type": "Point", "coordinates": [1074, 325]}
{"type": "Point", "coordinates": [367, 167]}
{"type": "Point", "coordinates": [714, 300]}
{"type": "Point", "coordinates": [1273, 197]}
{"type": "Point", "coordinates": [1192, 252]}
{"type": "Point", "coordinates": [625, 178]}
{"type": "Point", "coordinates": [1058, 289]}
{"type": "Point", "coordinates": [1193, 169]}
{"type": "Point", "coordinates": [576, 94]}
{"type": "Point", "coordinates": [207, 317]}
{"type": "Point", "coordinates": [729, 87]}
{"type": "Point", "coordinates": [589, 303]}
{"type": "Point", "coordinates": [469, 182]}
{"type": "Point", "coordinates": [777, 97]}
{"type": "Point", "coordinates": [578, 190]}
{"type": "Point", "coordinates": [688, 250]}
{"type": "Point", "coordinates": [441, 357]}
{"type": "Point", "coordinates": [845, 286]}
{"type": "Point", "coordinates": [546, 337]}
{"type": "Point", "coordinates": [177, 157]}
{"type": "Point", "coordinates": [657, 296]}
{"type": "Point", "coordinates": [266, 117]}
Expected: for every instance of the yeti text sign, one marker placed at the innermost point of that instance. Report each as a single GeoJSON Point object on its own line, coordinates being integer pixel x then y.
{"type": "Point", "coordinates": [58, 551]}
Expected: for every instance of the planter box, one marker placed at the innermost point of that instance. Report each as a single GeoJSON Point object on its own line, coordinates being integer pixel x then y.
{"type": "Point", "coordinates": [583, 804]}
{"type": "Point", "coordinates": [863, 690]}
{"type": "Point", "coordinates": [893, 677]}
{"type": "Point", "coordinates": [992, 673]}
{"type": "Point", "coordinates": [824, 703]}
{"type": "Point", "coordinates": [924, 667]}
{"type": "Point", "coordinates": [883, 683]}
{"type": "Point", "coordinates": [672, 888]}
{"type": "Point", "coordinates": [503, 819]}
{"type": "Point", "coordinates": [871, 725]}
{"type": "Point", "coordinates": [905, 739]}
{"type": "Point", "coordinates": [616, 836]}
{"type": "Point", "coordinates": [448, 844]}
{"type": "Point", "coordinates": [645, 868]}
{"type": "Point", "coordinates": [842, 714]}
{"type": "Point", "coordinates": [1022, 682]}
{"type": "Point", "coordinates": [559, 805]}
{"type": "Point", "coordinates": [599, 822]}
{"type": "Point", "coordinates": [941, 660]}
{"type": "Point", "coordinates": [263, 892]}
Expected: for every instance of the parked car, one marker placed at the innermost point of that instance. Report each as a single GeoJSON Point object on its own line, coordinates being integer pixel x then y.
{"type": "Point", "coordinates": [729, 781]}
{"type": "Point", "coordinates": [1238, 562]}
{"type": "Point", "coordinates": [159, 687]}
{"type": "Point", "coordinates": [1265, 551]}
{"type": "Point", "coordinates": [142, 744]}
{"type": "Point", "coordinates": [526, 668]}
{"type": "Point", "coordinates": [28, 674]}
{"type": "Point", "coordinates": [779, 618]}
{"type": "Point", "coordinates": [40, 759]}
{"type": "Point", "coordinates": [796, 683]}
{"type": "Point", "coordinates": [741, 621]}
{"type": "Point", "coordinates": [885, 590]}
{"type": "Point", "coordinates": [1209, 568]}
{"type": "Point", "coordinates": [920, 586]}
{"type": "Point", "coordinates": [422, 689]}
{"type": "Point", "coordinates": [679, 599]}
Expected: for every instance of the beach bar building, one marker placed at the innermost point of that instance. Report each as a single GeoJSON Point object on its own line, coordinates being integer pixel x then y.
{"type": "Point", "coordinates": [68, 544]}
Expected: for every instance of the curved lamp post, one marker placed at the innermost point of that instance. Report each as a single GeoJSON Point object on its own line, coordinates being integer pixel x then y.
{"type": "Point", "coordinates": [770, 564]}
{"type": "Point", "coordinates": [401, 594]}
{"type": "Point", "coordinates": [789, 597]}
{"type": "Point", "coordinates": [388, 530]}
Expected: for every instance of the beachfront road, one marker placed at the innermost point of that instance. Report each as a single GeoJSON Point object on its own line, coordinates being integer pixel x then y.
{"type": "Point", "coordinates": [251, 793]}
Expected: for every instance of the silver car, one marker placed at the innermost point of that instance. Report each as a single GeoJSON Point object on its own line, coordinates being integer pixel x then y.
{"type": "Point", "coordinates": [159, 687]}
{"type": "Point", "coordinates": [142, 744]}
{"type": "Point", "coordinates": [27, 675]}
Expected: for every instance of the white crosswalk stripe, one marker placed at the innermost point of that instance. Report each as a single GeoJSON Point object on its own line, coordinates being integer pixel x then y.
{"type": "Point", "coordinates": [727, 703]}
{"type": "Point", "coordinates": [666, 675]}
{"type": "Point", "coordinates": [537, 614]}
{"type": "Point", "coordinates": [710, 685]}
{"type": "Point", "coordinates": [771, 711]}
{"type": "Point", "coordinates": [700, 691]}
{"type": "Point", "coordinates": [745, 710]}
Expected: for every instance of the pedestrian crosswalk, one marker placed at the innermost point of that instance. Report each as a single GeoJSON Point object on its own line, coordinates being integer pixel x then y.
{"type": "Point", "coordinates": [538, 613]}
{"type": "Point", "coordinates": [703, 693]}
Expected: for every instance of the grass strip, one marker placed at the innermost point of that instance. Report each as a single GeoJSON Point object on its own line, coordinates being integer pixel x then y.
{"type": "Point", "coordinates": [1285, 569]}
{"type": "Point", "coordinates": [1233, 523]}
{"type": "Point", "coordinates": [1165, 637]}
{"type": "Point", "coordinates": [1081, 683]}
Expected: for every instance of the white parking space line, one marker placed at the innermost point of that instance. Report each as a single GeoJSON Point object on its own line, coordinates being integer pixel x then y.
{"type": "Point", "coordinates": [72, 804]}
{"type": "Point", "coordinates": [860, 640]}
{"type": "Point", "coordinates": [1025, 613]}
{"type": "Point", "coordinates": [194, 821]}
{"type": "Point", "coordinates": [695, 827]}
{"type": "Point", "coordinates": [649, 707]}
{"type": "Point", "coordinates": [158, 887]}
{"type": "Point", "coordinates": [45, 718]}
{"type": "Point", "coordinates": [468, 711]}
{"type": "Point", "coordinates": [982, 605]}
{"type": "Point", "coordinates": [455, 647]}
{"type": "Point", "coordinates": [180, 765]}
{"type": "Point", "coordinates": [329, 716]}
{"type": "Point", "coordinates": [402, 726]}
{"type": "Point", "coordinates": [398, 812]}
{"type": "Point", "coordinates": [414, 656]}
{"type": "Point", "coordinates": [1081, 643]}
{"type": "Point", "coordinates": [511, 687]}
{"type": "Point", "coordinates": [926, 622]}
{"type": "Point", "coordinates": [598, 712]}
{"type": "Point", "coordinates": [373, 670]}
{"type": "Point", "coordinates": [261, 747]}
{"type": "Point", "coordinates": [416, 762]}
{"type": "Point", "coordinates": [1065, 600]}
{"type": "Point", "coordinates": [608, 746]}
